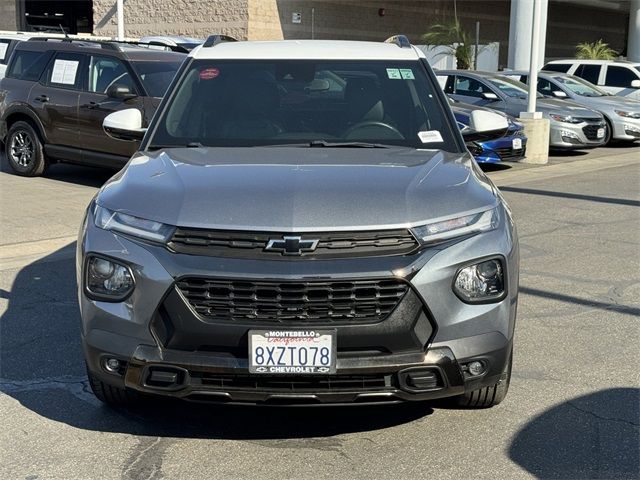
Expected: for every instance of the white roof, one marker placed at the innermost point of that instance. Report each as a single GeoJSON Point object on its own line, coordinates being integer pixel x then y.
{"type": "Point", "coordinates": [597, 62]}
{"type": "Point", "coordinates": [308, 49]}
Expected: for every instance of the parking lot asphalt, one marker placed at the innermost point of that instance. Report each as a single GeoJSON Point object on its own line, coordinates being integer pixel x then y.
{"type": "Point", "coordinates": [573, 410]}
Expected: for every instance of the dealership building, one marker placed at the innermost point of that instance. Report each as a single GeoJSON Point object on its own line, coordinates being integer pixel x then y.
{"type": "Point", "coordinates": [568, 22]}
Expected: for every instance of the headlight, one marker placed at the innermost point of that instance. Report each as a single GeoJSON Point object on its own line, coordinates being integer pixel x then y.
{"type": "Point", "coordinates": [564, 118]}
{"type": "Point", "coordinates": [130, 225]}
{"type": "Point", "coordinates": [106, 279]}
{"type": "Point", "coordinates": [626, 114]}
{"type": "Point", "coordinates": [481, 282]}
{"type": "Point", "coordinates": [456, 227]}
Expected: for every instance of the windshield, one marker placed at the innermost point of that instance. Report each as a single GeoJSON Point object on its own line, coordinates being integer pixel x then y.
{"type": "Point", "coordinates": [580, 86]}
{"type": "Point", "coordinates": [237, 103]}
{"type": "Point", "coordinates": [511, 88]}
{"type": "Point", "coordinates": [156, 75]}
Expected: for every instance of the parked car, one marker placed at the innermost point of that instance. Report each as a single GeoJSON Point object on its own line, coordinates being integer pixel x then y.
{"type": "Point", "coordinates": [186, 43]}
{"type": "Point", "coordinates": [622, 114]}
{"type": "Point", "coordinates": [492, 147]}
{"type": "Point", "coordinates": [58, 91]}
{"type": "Point", "coordinates": [572, 126]}
{"type": "Point", "coordinates": [277, 240]}
{"type": "Point", "coordinates": [8, 42]}
{"type": "Point", "coordinates": [616, 77]}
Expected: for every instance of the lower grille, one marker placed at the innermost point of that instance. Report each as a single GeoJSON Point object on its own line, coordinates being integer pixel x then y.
{"type": "Point", "coordinates": [298, 384]}
{"type": "Point", "coordinates": [334, 301]}
{"type": "Point", "coordinates": [508, 152]}
{"type": "Point", "coordinates": [591, 131]}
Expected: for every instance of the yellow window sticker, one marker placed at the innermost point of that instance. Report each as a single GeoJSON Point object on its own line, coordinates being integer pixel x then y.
{"type": "Point", "coordinates": [394, 74]}
{"type": "Point", "coordinates": [407, 74]}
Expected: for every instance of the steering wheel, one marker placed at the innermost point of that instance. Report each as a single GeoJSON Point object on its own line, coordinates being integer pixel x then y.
{"type": "Point", "coordinates": [376, 124]}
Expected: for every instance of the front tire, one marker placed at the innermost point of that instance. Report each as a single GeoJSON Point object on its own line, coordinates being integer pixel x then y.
{"type": "Point", "coordinates": [113, 396]}
{"type": "Point", "coordinates": [490, 396]}
{"type": "Point", "coordinates": [24, 150]}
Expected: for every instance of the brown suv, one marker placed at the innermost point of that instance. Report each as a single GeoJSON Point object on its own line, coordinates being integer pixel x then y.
{"type": "Point", "coordinates": [56, 94]}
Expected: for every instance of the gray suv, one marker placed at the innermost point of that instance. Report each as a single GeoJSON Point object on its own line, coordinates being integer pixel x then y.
{"type": "Point", "coordinates": [302, 224]}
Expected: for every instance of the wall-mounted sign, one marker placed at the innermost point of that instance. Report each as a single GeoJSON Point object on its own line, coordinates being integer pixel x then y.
{"type": "Point", "coordinates": [296, 17]}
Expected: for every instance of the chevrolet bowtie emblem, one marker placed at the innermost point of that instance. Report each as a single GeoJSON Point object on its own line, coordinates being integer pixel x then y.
{"type": "Point", "coordinates": [291, 245]}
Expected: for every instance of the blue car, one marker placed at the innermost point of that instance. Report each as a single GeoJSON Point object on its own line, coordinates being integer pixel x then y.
{"type": "Point", "coordinates": [509, 145]}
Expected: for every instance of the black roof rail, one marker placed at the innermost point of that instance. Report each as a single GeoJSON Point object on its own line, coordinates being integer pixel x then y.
{"type": "Point", "coordinates": [102, 43]}
{"type": "Point", "coordinates": [213, 40]}
{"type": "Point", "coordinates": [166, 48]}
{"type": "Point", "coordinates": [401, 40]}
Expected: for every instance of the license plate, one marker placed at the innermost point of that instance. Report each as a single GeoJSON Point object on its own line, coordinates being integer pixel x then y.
{"type": "Point", "coordinates": [600, 133]}
{"type": "Point", "coordinates": [293, 352]}
{"type": "Point", "coordinates": [516, 143]}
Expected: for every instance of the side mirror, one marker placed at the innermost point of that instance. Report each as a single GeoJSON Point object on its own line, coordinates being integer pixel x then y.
{"type": "Point", "coordinates": [559, 94]}
{"type": "Point", "coordinates": [635, 83]}
{"type": "Point", "coordinates": [118, 90]}
{"type": "Point", "coordinates": [489, 96]}
{"type": "Point", "coordinates": [481, 122]}
{"type": "Point", "coordinates": [124, 125]}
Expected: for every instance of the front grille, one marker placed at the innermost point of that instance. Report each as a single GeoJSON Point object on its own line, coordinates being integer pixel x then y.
{"type": "Point", "coordinates": [297, 384]}
{"type": "Point", "coordinates": [509, 153]}
{"type": "Point", "coordinates": [240, 244]}
{"type": "Point", "coordinates": [317, 301]}
{"type": "Point", "coordinates": [591, 131]}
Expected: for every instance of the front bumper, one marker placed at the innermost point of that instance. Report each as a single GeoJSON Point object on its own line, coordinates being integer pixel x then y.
{"type": "Point", "coordinates": [627, 129]}
{"type": "Point", "coordinates": [576, 136]}
{"type": "Point", "coordinates": [431, 332]}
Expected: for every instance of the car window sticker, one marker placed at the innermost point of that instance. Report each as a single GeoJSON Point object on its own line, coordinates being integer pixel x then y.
{"type": "Point", "coordinates": [430, 136]}
{"type": "Point", "coordinates": [394, 74]}
{"type": "Point", "coordinates": [209, 73]}
{"type": "Point", "coordinates": [407, 74]}
{"type": "Point", "coordinates": [64, 72]}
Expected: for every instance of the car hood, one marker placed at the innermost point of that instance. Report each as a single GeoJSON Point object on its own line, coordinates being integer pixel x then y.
{"type": "Point", "coordinates": [612, 101]}
{"type": "Point", "coordinates": [564, 107]}
{"type": "Point", "coordinates": [298, 189]}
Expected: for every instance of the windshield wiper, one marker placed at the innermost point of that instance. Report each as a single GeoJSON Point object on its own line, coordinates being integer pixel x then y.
{"type": "Point", "coordinates": [188, 145]}
{"type": "Point", "coordinates": [325, 144]}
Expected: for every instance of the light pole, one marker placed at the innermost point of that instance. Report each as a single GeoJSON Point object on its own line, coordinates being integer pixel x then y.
{"type": "Point", "coordinates": [120, 16]}
{"type": "Point", "coordinates": [536, 128]}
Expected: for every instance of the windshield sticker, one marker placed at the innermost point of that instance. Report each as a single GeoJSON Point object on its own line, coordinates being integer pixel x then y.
{"type": "Point", "coordinates": [3, 50]}
{"type": "Point", "coordinates": [430, 136]}
{"type": "Point", "coordinates": [407, 74]}
{"type": "Point", "coordinates": [64, 72]}
{"type": "Point", "coordinates": [209, 73]}
{"type": "Point", "coordinates": [394, 74]}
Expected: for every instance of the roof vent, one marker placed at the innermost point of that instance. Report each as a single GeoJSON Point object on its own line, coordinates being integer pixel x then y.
{"type": "Point", "coordinates": [401, 40]}
{"type": "Point", "coordinates": [213, 40]}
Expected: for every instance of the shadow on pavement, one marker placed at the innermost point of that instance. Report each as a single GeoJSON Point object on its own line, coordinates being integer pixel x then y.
{"type": "Point", "coordinates": [87, 176]}
{"type": "Point", "coordinates": [593, 436]}
{"type": "Point", "coordinates": [42, 367]}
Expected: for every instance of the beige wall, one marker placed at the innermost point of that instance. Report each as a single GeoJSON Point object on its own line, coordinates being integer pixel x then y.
{"type": "Point", "coordinates": [353, 19]}
{"type": "Point", "coordinates": [8, 16]}
{"type": "Point", "coordinates": [197, 18]}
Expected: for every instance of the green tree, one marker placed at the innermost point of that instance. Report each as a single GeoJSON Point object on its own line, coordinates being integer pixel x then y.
{"type": "Point", "coordinates": [455, 39]}
{"type": "Point", "coordinates": [595, 51]}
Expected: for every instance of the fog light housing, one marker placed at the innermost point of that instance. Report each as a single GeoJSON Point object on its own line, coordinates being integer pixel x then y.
{"type": "Point", "coordinates": [481, 283]}
{"type": "Point", "coordinates": [476, 368]}
{"type": "Point", "coordinates": [112, 365]}
{"type": "Point", "coordinates": [108, 280]}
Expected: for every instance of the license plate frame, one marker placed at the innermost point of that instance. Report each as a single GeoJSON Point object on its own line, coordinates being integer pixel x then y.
{"type": "Point", "coordinates": [516, 144]}
{"type": "Point", "coordinates": [289, 362]}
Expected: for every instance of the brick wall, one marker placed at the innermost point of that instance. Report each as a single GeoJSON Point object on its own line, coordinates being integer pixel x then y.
{"type": "Point", "coordinates": [197, 18]}
{"type": "Point", "coordinates": [8, 15]}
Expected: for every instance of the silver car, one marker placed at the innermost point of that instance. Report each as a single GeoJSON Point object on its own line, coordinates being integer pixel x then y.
{"type": "Point", "coordinates": [285, 238]}
{"type": "Point", "coordinates": [622, 114]}
{"type": "Point", "coordinates": [572, 126]}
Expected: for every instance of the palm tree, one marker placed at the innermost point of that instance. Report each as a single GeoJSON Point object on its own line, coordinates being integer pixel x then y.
{"type": "Point", "coordinates": [454, 38]}
{"type": "Point", "coordinates": [595, 51]}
